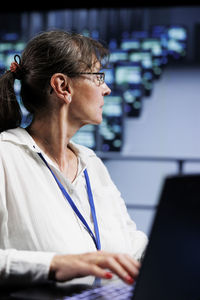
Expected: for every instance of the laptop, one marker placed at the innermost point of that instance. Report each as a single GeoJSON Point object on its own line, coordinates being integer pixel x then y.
{"type": "Point", "coordinates": [171, 265]}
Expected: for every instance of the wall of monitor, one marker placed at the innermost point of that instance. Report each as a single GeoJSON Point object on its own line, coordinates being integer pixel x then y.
{"type": "Point", "coordinates": [143, 43]}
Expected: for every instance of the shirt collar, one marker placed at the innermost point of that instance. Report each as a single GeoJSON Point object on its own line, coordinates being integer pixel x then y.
{"type": "Point", "coordinates": [21, 137]}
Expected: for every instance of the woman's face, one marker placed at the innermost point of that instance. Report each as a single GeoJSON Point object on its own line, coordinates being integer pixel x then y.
{"type": "Point", "coordinates": [88, 99]}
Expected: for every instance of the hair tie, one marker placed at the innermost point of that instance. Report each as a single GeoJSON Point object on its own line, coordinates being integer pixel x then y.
{"type": "Point", "coordinates": [16, 66]}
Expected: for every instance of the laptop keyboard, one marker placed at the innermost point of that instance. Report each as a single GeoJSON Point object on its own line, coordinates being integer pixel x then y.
{"type": "Point", "coordinates": [110, 291]}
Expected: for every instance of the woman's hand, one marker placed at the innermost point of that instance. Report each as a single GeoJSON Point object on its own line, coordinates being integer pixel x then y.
{"type": "Point", "coordinates": [67, 267]}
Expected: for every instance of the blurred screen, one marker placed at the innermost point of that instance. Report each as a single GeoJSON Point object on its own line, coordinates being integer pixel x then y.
{"type": "Point", "coordinates": [129, 74]}
{"type": "Point", "coordinates": [177, 41]}
{"type": "Point", "coordinates": [86, 136]}
{"type": "Point", "coordinates": [109, 76]}
{"type": "Point", "coordinates": [152, 44]}
{"type": "Point", "coordinates": [177, 33]}
{"type": "Point", "coordinates": [143, 56]}
{"type": "Point", "coordinates": [111, 128]}
{"type": "Point", "coordinates": [132, 102]}
{"type": "Point", "coordinates": [128, 44]}
{"type": "Point", "coordinates": [118, 55]}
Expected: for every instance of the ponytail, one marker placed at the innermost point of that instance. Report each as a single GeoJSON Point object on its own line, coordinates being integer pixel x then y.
{"type": "Point", "coordinates": [10, 113]}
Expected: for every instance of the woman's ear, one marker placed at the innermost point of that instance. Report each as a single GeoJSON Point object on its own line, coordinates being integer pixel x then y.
{"type": "Point", "coordinates": [61, 87]}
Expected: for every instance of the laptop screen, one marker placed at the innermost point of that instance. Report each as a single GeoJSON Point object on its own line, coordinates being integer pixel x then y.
{"type": "Point", "coordinates": [171, 267]}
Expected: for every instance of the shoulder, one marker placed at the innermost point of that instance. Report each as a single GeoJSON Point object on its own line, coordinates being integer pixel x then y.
{"type": "Point", "coordinates": [6, 141]}
{"type": "Point", "coordinates": [13, 143]}
{"type": "Point", "coordinates": [4, 144]}
{"type": "Point", "coordinates": [17, 136]}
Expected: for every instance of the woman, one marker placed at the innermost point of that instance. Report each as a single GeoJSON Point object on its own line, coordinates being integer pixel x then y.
{"type": "Point", "coordinates": [58, 204]}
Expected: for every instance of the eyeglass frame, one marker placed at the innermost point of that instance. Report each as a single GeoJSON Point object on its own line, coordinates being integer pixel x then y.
{"type": "Point", "coordinates": [101, 81]}
{"type": "Point", "coordinates": [88, 73]}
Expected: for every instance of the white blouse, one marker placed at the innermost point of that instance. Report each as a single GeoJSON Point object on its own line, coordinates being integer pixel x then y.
{"type": "Point", "coordinates": [36, 221]}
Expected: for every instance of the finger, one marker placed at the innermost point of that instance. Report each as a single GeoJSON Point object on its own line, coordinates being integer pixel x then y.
{"type": "Point", "coordinates": [111, 263]}
{"type": "Point", "coordinates": [92, 269]}
{"type": "Point", "coordinates": [67, 267]}
{"type": "Point", "coordinates": [134, 261]}
{"type": "Point", "coordinates": [130, 265]}
{"type": "Point", "coordinates": [125, 266]}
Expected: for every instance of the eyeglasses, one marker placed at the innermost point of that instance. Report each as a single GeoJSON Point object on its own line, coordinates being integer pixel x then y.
{"type": "Point", "coordinates": [100, 76]}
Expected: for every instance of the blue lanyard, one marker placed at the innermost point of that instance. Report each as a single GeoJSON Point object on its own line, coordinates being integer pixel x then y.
{"type": "Point", "coordinates": [74, 207]}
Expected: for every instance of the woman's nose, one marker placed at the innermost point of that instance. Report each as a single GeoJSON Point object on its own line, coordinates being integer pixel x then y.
{"type": "Point", "coordinates": [106, 90]}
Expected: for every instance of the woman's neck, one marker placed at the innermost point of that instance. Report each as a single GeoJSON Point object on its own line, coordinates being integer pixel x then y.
{"type": "Point", "coordinates": [53, 138]}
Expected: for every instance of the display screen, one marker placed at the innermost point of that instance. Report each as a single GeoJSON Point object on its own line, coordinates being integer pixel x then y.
{"type": "Point", "coordinates": [118, 55]}
{"type": "Point", "coordinates": [152, 44]}
{"type": "Point", "coordinates": [177, 39]}
{"type": "Point", "coordinates": [128, 44]}
{"type": "Point", "coordinates": [128, 74]}
{"type": "Point", "coordinates": [144, 56]}
{"type": "Point", "coordinates": [109, 76]}
{"type": "Point", "coordinates": [110, 129]}
{"type": "Point", "coordinates": [177, 33]}
{"type": "Point", "coordinates": [86, 136]}
{"type": "Point", "coordinates": [112, 106]}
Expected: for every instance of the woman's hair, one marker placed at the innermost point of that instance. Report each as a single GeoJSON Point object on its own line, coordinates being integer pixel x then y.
{"type": "Point", "coordinates": [46, 54]}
